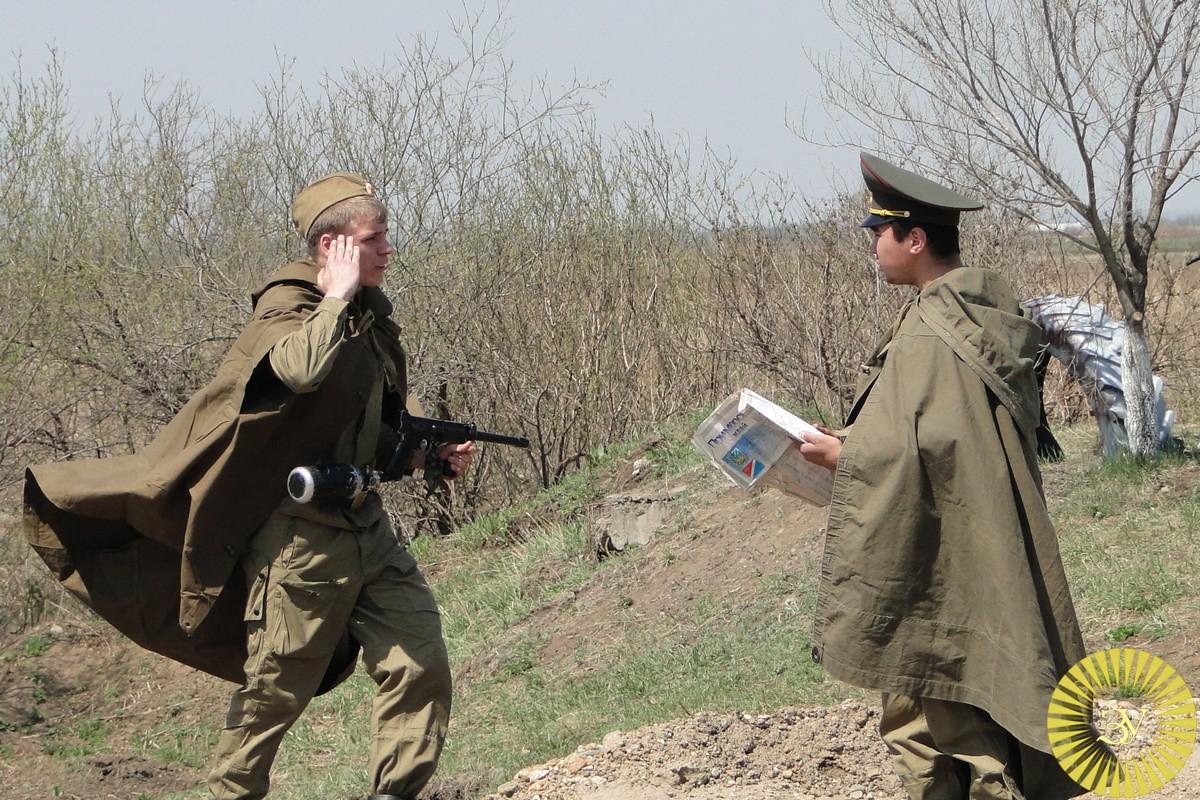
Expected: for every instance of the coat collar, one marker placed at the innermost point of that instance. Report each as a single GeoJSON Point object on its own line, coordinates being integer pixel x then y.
{"type": "Point", "coordinates": [304, 272]}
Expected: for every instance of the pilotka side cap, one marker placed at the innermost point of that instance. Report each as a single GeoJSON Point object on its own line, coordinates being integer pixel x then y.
{"type": "Point", "coordinates": [328, 191]}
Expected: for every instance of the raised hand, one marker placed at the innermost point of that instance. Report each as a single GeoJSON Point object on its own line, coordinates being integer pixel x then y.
{"type": "Point", "coordinates": [340, 275]}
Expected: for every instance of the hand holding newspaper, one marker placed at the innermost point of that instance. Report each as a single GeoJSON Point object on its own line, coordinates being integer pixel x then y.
{"type": "Point", "coordinates": [750, 439]}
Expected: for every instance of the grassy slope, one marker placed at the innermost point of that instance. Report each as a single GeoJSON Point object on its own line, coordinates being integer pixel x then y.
{"type": "Point", "coordinates": [554, 647]}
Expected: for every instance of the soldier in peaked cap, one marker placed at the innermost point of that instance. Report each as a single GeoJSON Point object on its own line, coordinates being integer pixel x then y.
{"type": "Point", "coordinates": [905, 205]}
{"type": "Point", "coordinates": [897, 194]}
{"type": "Point", "coordinates": [941, 584]}
{"type": "Point", "coordinates": [193, 549]}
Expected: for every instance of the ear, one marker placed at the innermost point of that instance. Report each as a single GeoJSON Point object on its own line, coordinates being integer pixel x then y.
{"type": "Point", "coordinates": [918, 239]}
{"type": "Point", "coordinates": [324, 244]}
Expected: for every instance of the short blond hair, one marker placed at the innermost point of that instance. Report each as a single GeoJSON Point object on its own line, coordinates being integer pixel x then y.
{"type": "Point", "coordinates": [340, 217]}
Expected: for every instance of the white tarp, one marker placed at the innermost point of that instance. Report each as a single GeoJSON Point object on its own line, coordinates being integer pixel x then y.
{"type": "Point", "coordinates": [1089, 343]}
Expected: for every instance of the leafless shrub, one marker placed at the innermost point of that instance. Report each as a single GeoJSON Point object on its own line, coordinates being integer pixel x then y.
{"type": "Point", "coordinates": [576, 287]}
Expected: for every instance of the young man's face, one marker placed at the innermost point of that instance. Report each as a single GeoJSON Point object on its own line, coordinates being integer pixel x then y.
{"type": "Point", "coordinates": [894, 258]}
{"type": "Point", "coordinates": [373, 250]}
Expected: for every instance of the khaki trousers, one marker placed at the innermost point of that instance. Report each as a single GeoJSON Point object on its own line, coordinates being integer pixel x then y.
{"type": "Point", "coordinates": [309, 583]}
{"type": "Point", "coordinates": [948, 751]}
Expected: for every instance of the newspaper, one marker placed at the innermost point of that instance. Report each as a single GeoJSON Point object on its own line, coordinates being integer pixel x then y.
{"type": "Point", "coordinates": [751, 440]}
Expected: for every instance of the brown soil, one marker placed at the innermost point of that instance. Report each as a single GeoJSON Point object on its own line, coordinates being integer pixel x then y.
{"type": "Point", "coordinates": [51, 703]}
{"type": "Point", "coordinates": [797, 753]}
{"type": "Point", "coordinates": [87, 674]}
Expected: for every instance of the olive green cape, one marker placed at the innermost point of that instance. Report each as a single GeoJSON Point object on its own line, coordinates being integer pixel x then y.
{"type": "Point", "coordinates": [941, 575]}
{"type": "Point", "coordinates": [151, 540]}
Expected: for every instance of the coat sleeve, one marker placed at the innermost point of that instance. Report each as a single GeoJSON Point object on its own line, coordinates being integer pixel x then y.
{"type": "Point", "coordinates": [303, 358]}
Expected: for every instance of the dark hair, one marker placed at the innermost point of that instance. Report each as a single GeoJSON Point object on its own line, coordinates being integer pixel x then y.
{"type": "Point", "coordinates": [943, 239]}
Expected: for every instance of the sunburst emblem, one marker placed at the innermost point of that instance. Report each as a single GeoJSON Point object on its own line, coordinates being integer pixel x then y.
{"type": "Point", "coordinates": [1122, 722]}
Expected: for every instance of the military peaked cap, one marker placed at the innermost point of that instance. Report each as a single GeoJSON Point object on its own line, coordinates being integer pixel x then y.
{"type": "Point", "coordinates": [897, 194]}
{"type": "Point", "coordinates": [315, 198]}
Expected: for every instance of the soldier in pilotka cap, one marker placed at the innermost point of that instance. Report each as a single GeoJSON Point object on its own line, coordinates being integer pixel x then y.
{"type": "Point", "coordinates": [941, 584]}
{"type": "Point", "coordinates": [193, 548]}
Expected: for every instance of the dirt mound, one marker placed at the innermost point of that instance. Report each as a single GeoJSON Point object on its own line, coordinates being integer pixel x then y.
{"type": "Point", "coordinates": [799, 753]}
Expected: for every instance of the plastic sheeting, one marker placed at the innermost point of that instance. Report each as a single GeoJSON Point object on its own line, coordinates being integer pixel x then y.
{"type": "Point", "coordinates": [1089, 343]}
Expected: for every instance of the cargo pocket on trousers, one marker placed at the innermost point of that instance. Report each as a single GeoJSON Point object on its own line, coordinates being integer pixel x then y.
{"type": "Point", "coordinates": [304, 626]}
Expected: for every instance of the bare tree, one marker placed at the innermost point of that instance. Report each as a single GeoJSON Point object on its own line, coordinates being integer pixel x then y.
{"type": "Point", "coordinates": [1059, 110]}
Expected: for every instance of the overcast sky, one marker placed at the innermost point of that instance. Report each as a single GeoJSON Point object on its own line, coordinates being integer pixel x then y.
{"type": "Point", "coordinates": [729, 73]}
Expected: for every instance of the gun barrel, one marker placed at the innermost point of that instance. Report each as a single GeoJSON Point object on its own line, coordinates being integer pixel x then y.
{"type": "Point", "coordinates": [500, 438]}
{"type": "Point", "coordinates": [447, 430]}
